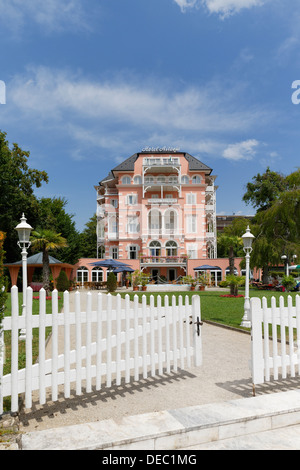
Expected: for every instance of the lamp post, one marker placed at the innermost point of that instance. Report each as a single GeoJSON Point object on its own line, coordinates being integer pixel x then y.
{"type": "Point", "coordinates": [247, 241]}
{"type": "Point", "coordinates": [286, 262]}
{"type": "Point", "coordinates": [24, 230]}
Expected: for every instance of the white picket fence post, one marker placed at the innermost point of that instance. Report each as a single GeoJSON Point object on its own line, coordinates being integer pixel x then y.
{"type": "Point", "coordinates": [284, 356]}
{"type": "Point", "coordinates": [129, 341]}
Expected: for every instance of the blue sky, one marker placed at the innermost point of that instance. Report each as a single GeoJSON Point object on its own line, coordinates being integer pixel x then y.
{"type": "Point", "coordinates": [91, 82]}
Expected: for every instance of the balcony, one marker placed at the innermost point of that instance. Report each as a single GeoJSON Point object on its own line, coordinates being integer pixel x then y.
{"type": "Point", "coordinates": [155, 200]}
{"type": "Point", "coordinates": [163, 260]}
{"type": "Point", "coordinates": [163, 161]}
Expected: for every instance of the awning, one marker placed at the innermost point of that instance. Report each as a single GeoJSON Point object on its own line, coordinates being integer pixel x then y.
{"type": "Point", "coordinates": [206, 267]}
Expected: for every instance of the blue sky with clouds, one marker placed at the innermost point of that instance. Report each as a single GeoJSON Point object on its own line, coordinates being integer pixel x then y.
{"type": "Point", "coordinates": [91, 82]}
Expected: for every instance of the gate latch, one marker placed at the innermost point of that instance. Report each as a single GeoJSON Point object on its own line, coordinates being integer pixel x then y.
{"type": "Point", "coordinates": [198, 323]}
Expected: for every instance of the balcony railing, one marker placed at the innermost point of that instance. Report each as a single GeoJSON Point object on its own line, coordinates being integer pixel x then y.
{"type": "Point", "coordinates": [155, 200]}
{"type": "Point", "coordinates": [164, 161]}
{"type": "Point", "coordinates": [179, 260]}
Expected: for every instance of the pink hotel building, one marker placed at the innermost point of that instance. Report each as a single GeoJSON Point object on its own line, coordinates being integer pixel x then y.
{"type": "Point", "coordinates": [156, 211]}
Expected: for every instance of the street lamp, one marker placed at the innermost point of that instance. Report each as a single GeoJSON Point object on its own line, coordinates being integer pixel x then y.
{"type": "Point", "coordinates": [247, 241]}
{"type": "Point", "coordinates": [286, 262]}
{"type": "Point", "coordinates": [24, 230]}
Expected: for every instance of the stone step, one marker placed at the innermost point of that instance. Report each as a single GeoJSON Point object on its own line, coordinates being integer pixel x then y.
{"type": "Point", "coordinates": [182, 428]}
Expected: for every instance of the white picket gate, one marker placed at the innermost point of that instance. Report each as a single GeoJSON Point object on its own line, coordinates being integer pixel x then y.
{"type": "Point", "coordinates": [269, 355]}
{"type": "Point", "coordinates": [136, 339]}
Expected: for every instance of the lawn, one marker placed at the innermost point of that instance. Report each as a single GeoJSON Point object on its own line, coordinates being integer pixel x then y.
{"type": "Point", "coordinates": [225, 310]}
{"type": "Point", "coordinates": [35, 338]}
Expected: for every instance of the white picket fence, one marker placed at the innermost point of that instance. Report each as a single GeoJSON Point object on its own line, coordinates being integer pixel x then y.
{"type": "Point", "coordinates": [273, 356]}
{"type": "Point", "coordinates": [135, 339]}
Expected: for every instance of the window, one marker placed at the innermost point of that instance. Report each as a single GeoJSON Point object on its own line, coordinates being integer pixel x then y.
{"type": "Point", "coordinates": [155, 248]}
{"type": "Point", "coordinates": [191, 250]}
{"type": "Point", "coordinates": [114, 203]}
{"type": "Point", "coordinates": [161, 179]}
{"type": "Point", "coordinates": [149, 179]}
{"type": "Point", "coordinates": [171, 248]}
{"type": "Point", "coordinates": [154, 221]}
{"type": "Point", "coordinates": [191, 198]}
{"type": "Point", "coordinates": [132, 199]}
{"type": "Point", "coordinates": [196, 179]}
{"type": "Point", "coordinates": [82, 274]}
{"type": "Point", "coordinates": [173, 179]}
{"type": "Point", "coordinates": [185, 179]}
{"type": "Point", "coordinates": [170, 220]}
{"type": "Point", "coordinates": [100, 229]}
{"type": "Point", "coordinates": [114, 252]}
{"type": "Point", "coordinates": [137, 179]}
{"type": "Point", "coordinates": [133, 224]}
{"type": "Point", "coordinates": [126, 180]}
{"type": "Point", "coordinates": [113, 225]}
{"type": "Point", "coordinates": [192, 223]}
{"type": "Point", "coordinates": [132, 252]}
{"type": "Point", "coordinates": [97, 275]}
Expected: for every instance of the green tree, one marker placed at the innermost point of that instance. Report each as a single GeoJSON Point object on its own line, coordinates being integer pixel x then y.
{"type": "Point", "coordinates": [277, 221]}
{"type": "Point", "coordinates": [46, 240]}
{"type": "Point", "coordinates": [53, 216]}
{"type": "Point", "coordinates": [17, 183]}
{"type": "Point", "coordinates": [230, 244]}
{"type": "Point", "coordinates": [88, 239]}
{"type": "Point", "coordinates": [265, 189]}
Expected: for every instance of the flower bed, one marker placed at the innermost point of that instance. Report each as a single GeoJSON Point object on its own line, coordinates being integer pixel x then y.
{"type": "Point", "coordinates": [48, 297]}
{"type": "Point", "coordinates": [229, 295]}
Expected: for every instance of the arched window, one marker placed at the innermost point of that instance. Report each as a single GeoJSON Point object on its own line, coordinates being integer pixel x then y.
{"type": "Point", "coordinates": [137, 179]}
{"type": "Point", "coordinates": [196, 179]}
{"type": "Point", "coordinates": [82, 274]}
{"type": "Point", "coordinates": [97, 275]}
{"type": "Point", "coordinates": [170, 219]}
{"type": "Point", "coordinates": [126, 180]}
{"type": "Point", "coordinates": [154, 221]}
{"type": "Point", "coordinates": [185, 179]}
{"type": "Point", "coordinates": [171, 248]}
{"type": "Point", "coordinates": [155, 248]}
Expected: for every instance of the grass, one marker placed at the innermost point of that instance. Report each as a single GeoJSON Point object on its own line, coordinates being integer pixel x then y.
{"type": "Point", "coordinates": [35, 332]}
{"type": "Point", "coordinates": [215, 308]}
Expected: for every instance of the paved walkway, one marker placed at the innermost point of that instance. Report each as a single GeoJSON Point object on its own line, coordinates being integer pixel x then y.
{"type": "Point", "coordinates": [224, 376]}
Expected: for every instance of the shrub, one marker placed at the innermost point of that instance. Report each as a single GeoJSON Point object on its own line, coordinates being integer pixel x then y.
{"type": "Point", "coordinates": [62, 282]}
{"type": "Point", "coordinates": [288, 282]}
{"type": "Point", "coordinates": [111, 282]}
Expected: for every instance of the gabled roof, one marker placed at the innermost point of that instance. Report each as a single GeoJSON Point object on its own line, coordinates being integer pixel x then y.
{"type": "Point", "coordinates": [128, 164]}
{"type": "Point", "coordinates": [195, 164]}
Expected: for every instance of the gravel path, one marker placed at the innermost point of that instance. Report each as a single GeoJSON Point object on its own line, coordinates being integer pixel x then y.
{"type": "Point", "coordinates": [224, 375]}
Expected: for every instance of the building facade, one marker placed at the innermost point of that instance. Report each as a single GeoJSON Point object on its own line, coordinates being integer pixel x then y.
{"type": "Point", "coordinates": [157, 210]}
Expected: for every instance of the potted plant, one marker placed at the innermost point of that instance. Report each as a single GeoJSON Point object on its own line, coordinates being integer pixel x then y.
{"type": "Point", "coordinates": [190, 281]}
{"type": "Point", "coordinates": [202, 281]}
{"type": "Point", "coordinates": [135, 280]}
{"type": "Point", "coordinates": [144, 279]}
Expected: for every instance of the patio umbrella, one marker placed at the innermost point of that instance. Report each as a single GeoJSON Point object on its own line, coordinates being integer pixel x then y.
{"type": "Point", "coordinates": [123, 269]}
{"type": "Point", "coordinates": [295, 267]}
{"type": "Point", "coordinates": [206, 267]}
{"type": "Point", "coordinates": [109, 263]}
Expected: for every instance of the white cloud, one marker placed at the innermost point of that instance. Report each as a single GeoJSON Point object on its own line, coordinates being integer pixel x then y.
{"type": "Point", "coordinates": [224, 8]}
{"type": "Point", "coordinates": [49, 14]}
{"type": "Point", "coordinates": [241, 150]}
{"type": "Point", "coordinates": [185, 4]}
{"type": "Point", "coordinates": [113, 114]}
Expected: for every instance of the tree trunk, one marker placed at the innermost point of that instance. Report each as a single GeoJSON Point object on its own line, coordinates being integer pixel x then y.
{"type": "Point", "coordinates": [231, 269]}
{"type": "Point", "coordinates": [46, 269]}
